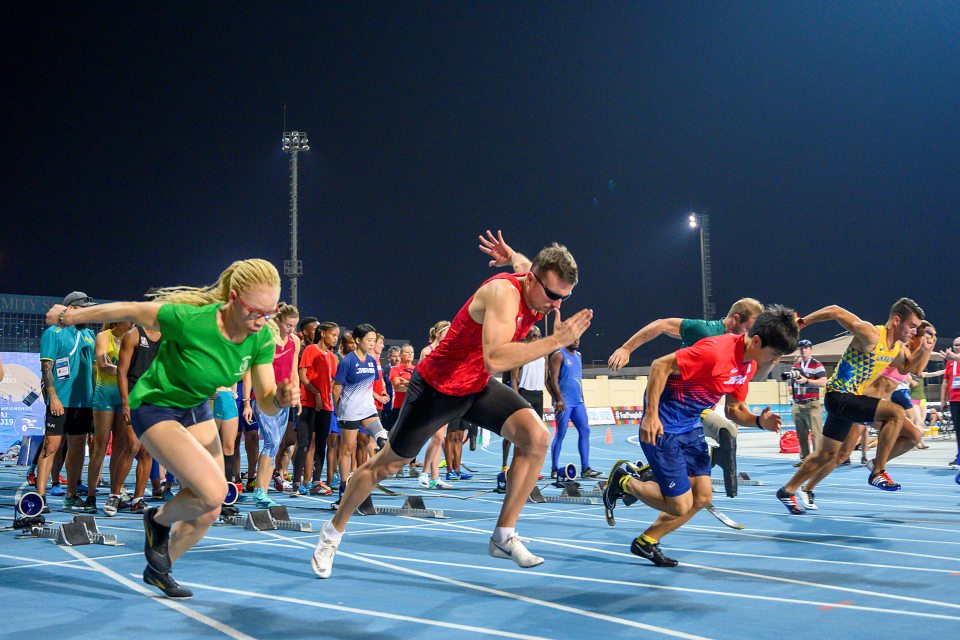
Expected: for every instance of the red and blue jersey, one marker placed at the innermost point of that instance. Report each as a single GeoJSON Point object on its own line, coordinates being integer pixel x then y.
{"type": "Point", "coordinates": [710, 369]}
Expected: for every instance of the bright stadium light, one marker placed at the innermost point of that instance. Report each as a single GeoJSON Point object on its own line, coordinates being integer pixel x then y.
{"type": "Point", "coordinates": [702, 221]}
{"type": "Point", "coordinates": [293, 143]}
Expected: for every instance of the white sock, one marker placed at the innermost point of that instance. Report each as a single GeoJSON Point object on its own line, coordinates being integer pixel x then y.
{"type": "Point", "coordinates": [500, 534]}
{"type": "Point", "coordinates": [330, 532]}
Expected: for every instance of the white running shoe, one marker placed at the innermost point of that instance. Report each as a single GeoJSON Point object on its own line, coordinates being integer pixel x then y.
{"type": "Point", "coordinates": [424, 480]}
{"type": "Point", "coordinates": [440, 484]}
{"type": "Point", "coordinates": [513, 549]}
{"type": "Point", "coordinates": [806, 499]}
{"type": "Point", "coordinates": [322, 559]}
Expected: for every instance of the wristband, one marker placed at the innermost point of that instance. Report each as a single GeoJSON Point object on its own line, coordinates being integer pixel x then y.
{"type": "Point", "coordinates": [758, 423]}
{"type": "Point", "coordinates": [277, 404]}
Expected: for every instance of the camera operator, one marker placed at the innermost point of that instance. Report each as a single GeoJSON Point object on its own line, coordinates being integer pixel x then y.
{"type": "Point", "coordinates": [807, 377]}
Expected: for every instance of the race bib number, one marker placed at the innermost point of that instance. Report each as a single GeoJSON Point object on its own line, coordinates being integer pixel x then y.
{"type": "Point", "coordinates": [62, 368]}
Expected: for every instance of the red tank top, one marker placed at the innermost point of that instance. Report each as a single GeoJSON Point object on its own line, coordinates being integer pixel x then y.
{"type": "Point", "coordinates": [283, 360]}
{"type": "Point", "coordinates": [456, 366]}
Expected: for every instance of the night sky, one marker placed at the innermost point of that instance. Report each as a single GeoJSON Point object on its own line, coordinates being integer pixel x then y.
{"type": "Point", "coordinates": [141, 147]}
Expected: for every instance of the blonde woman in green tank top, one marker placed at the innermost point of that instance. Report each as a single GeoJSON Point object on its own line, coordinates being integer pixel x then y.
{"type": "Point", "coordinates": [212, 336]}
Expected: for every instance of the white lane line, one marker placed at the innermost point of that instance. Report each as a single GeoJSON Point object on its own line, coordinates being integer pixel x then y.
{"type": "Point", "coordinates": [366, 612]}
{"type": "Point", "coordinates": [785, 558]}
{"type": "Point", "coordinates": [884, 506]}
{"type": "Point", "coordinates": [179, 607]}
{"type": "Point", "coordinates": [749, 574]}
{"type": "Point", "coordinates": [625, 583]}
{"type": "Point", "coordinates": [506, 594]}
{"type": "Point", "coordinates": [528, 600]}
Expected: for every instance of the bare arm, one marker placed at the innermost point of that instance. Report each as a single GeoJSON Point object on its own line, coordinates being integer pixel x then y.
{"type": "Point", "coordinates": [863, 332]}
{"type": "Point", "coordinates": [142, 313]}
{"type": "Point", "coordinates": [271, 396]}
{"type": "Point", "coordinates": [307, 384]}
{"type": "Point", "coordinates": [123, 368]}
{"type": "Point", "coordinates": [515, 378]}
{"type": "Point", "coordinates": [739, 412]}
{"type": "Point", "coordinates": [104, 364]}
{"type": "Point", "coordinates": [399, 383]}
{"type": "Point", "coordinates": [933, 374]}
{"type": "Point", "coordinates": [502, 254]}
{"type": "Point", "coordinates": [49, 388]}
{"type": "Point", "coordinates": [554, 360]}
{"type": "Point", "coordinates": [650, 426]}
{"type": "Point", "coordinates": [914, 361]}
{"type": "Point", "coordinates": [337, 388]}
{"type": "Point", "coordinates": [495, 306]}
{"type": "Point", "coordinates": [669, 326]}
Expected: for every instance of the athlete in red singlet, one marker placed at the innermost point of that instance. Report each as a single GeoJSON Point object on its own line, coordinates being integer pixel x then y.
{"type": "Point", "coordinates": [455, 381]}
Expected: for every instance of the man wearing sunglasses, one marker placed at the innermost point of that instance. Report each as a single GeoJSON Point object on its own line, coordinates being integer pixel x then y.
{"type": "Point", "coordinates": [456, 381]}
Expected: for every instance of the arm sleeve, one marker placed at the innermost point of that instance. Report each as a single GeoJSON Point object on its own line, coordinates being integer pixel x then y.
{"type": "Point", "coordinates": [341, 376]}
{"type": "Point", "coordinates": [266, 348]}
{"type": "Point", "coordinates": [172, 318]}
{"type": "Point", "coordinates": [48, 344]}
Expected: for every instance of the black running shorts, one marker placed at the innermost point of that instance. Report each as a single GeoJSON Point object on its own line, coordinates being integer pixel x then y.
{"type": "Point", "coordinates": [843, 410]}
{"type": "Point", "coordinates": [425, 410]}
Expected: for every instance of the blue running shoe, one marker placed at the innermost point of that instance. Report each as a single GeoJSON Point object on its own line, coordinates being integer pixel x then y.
{"type": "Point", "coordinates": [464, 475]}
{"type": "Point", "coordinates": [58, 490]}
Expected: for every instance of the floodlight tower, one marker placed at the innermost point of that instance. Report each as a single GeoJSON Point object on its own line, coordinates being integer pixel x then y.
{"type": "Point", "coordinates": [293, 143]}
{"type": "Point", "coordinates": [701, 221]}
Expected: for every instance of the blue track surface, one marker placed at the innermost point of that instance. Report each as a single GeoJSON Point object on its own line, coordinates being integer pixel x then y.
{"type": "Point", "coordinates": [868, 564]}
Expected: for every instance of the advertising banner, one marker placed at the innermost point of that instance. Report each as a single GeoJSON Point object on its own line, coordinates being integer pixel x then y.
{"type": "Point", "coordinates": [21, 405]}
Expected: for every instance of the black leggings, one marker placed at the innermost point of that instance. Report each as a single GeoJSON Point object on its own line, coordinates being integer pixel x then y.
{"type": "Point", "coordinates": [312, 421]}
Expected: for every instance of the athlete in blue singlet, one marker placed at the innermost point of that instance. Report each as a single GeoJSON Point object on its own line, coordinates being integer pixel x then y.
{"type": "Point", "coordinates": [566, 377]}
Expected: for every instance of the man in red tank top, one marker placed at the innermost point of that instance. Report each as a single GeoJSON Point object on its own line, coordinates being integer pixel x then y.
{"type": "Point", "coordinates": [456, 381]}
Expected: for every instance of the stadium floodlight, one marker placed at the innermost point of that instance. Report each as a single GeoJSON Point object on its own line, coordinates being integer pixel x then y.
{"type": "Point", "coordinates": [293, 143]}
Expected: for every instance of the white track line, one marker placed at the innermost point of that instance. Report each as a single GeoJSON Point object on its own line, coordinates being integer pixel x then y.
{"type": "Point", "coordinates": [534, 601]}
{"type": "Point", "coordinates": [708, 592]}
{"type": "Point", "coordinates": [364, 612]}
{"type": "Point", "coordinates": [786, 558]}
{"type": "Point", "coordinates": [179, 607]}
{"type": "Point", "coordinates": [748, 574]}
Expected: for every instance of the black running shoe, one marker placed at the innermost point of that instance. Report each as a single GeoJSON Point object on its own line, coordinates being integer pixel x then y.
{"type": "Point", "coordinates": [590, 474]}
{"type": "Point", "coordinates": [166, 583]}
{"type": "Point", "coordinates": [652, 553]}
{"type": "Point", "coordinates": [89, 505]}
{"type": "Point", "coordinates": [612, 492]}
{"type": "Point", "coordinates": [155, 545]}
{"type": "Point", "coordinates": [789, 500]}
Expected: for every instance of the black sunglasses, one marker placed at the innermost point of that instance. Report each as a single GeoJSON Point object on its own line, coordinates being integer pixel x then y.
{"type": "Point", "coordinates": [553, 295]}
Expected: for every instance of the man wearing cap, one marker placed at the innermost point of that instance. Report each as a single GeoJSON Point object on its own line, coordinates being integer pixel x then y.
{"type": "Point", "coordinates": [807, 378]}
{"type": "Point", "coordinates": [67, 370]}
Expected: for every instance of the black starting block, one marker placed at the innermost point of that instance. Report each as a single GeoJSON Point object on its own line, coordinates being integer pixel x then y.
{"type": "Point", "coordinates": [83, 530]}
{"type": "Point", "coordinates": [413, 506]}
{"type": "Point", "coordinates": [275, 517]}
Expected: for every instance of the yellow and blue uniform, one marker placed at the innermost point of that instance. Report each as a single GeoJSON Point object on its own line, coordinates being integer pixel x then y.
{"type": "Point", "coordinates": [106, 394]}
{"type": "Point", "coordinates": [857, 369]}
{"type": "Point", "coordinates": [844, 399]}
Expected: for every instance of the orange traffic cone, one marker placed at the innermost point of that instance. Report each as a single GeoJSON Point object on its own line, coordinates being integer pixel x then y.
{"type": "Point", "coordinates": [609, 437]}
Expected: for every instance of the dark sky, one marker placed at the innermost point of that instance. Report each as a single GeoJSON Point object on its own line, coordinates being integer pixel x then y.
{"type": "Point", "coordinates": [141, 147]}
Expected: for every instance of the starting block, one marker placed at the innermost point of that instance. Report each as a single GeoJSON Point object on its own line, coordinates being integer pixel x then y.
{"type": "Point", "coordinates": [275, 517]}
{"type": "Point", "coordinates": [571, 495]}
{"type": "Point", "coordinates": [83, 530]}
{"type": "Point", "coordinates": [413, 506]}
{"type": "Point", "coordinates": [742, 478]}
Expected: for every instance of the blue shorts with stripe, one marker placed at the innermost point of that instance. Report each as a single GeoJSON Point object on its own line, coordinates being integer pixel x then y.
{"type": "Point", "coordinates": [676, 458]}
